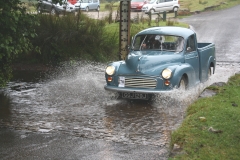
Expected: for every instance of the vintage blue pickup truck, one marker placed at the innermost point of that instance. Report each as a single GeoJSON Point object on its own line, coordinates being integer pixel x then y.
{"type": "Point", "coordinates": [159, 60]}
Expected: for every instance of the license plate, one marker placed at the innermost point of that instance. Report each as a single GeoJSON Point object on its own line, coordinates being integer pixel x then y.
{"type": "Point", "coordinates": [135, 95]}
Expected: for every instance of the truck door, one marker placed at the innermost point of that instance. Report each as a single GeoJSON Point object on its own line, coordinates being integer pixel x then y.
{"type": "Point", "coordinates": [95, 4]}
{"type": "Point", "coordinates": [191, 56]}
{"type": "Point", "coordinates": [90, 4]}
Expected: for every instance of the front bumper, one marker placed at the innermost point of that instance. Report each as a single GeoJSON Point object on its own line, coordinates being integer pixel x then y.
{"type": "Point", "coordinates": [145, 10]}
{"type": "Point", "coordinates": [134, 90]}
{"type": "Point", "coordinates": [136, 9]}
{"type": "Point", "coordinates": [62, 10]}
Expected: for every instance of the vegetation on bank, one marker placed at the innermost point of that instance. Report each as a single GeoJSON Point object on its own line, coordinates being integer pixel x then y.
{"type": "Point", "coordinates": [202, 5]}
{"type": "Point", "coordinates": [17, 28]}
{"type": "Point", "coordinates": [211, 129]}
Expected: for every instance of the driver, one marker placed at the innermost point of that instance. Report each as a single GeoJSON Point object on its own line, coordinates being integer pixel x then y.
{"type": "Point", "coordinates": [149, 44]}
{"type": "Point", "coordinates": [144, 46]}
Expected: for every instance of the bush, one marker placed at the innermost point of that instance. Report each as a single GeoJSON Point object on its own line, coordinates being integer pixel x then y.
{"type": "Point", "coordinates": [72, 37]}
{"type": "Point", "coordinates": [17, 28]}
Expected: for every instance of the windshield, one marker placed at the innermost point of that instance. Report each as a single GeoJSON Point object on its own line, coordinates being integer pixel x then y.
{"type": "Point", "coordinates": [152, 1]}
{"type": "Point", "coordinates": [84, 1]}
{"type": "Point", "coordinates": [158, 42]}
{"type": "Point", "coordinates": [137, 0]}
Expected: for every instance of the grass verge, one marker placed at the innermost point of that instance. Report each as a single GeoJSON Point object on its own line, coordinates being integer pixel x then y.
{"type": "Point", "coordinates": [211, 129]}
{"type": "Point", "coordinates": [200, 5]}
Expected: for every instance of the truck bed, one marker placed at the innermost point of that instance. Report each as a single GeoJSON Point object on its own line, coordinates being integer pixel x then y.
{"type": "Point", "coordinates": [206, 54]}
{"type": "Point", "coordinates": [202, 45]}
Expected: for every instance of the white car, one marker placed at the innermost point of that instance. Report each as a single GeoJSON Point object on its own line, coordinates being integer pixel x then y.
{"type": "Point", "coordinates": [87, 5]}
{"type": "Point", "coordinates": [161, 6]}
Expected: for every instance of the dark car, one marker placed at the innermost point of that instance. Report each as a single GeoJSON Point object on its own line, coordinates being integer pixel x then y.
{"type": "Point", "coordinates": [50, 7]}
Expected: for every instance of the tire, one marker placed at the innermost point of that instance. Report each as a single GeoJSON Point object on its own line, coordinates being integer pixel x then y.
{"type": "Point", "coordinates": [209, 72]}
{"type": "Point", "coordinates": [53, 11]}
{"type": "Point", "coordinates": [182, 84]}
{"type": "Point", "coordinates": [175, 9]}
{"type": "Point", "coordinates": [152, 11]}
{"type": "Point", "coordinates": [39, 10]}
{"type": "Point", "coordinates": [87, 9]}
{"type": "Point", "coordinates": [98, 9]}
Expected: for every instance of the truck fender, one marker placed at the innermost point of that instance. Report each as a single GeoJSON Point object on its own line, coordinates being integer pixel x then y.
{"type": "Point", "coordinates": [184, 70]}
{"type": "Point", "coordinates": [212, 63]}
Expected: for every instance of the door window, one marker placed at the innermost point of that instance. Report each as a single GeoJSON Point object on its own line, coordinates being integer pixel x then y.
{"type": "Point", "coordinates": [191, 45]}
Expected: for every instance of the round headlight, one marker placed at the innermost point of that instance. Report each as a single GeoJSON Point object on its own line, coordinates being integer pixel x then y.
{"type": "Point", "coordinates": [110, 70]}
{"type": "Point", "coordinates": [166, 73]}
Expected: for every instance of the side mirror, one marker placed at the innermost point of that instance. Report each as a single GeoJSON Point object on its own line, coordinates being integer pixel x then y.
{"type": "Point", "coordinates": [129, 47]}
{"type": "Point", "coordinates": [189, 49]}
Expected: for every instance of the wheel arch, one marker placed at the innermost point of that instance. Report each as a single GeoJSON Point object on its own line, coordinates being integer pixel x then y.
{"type": "Point", "coordinates": [174, 8]}
{"type": "Point", "coordinates": [185, 71]}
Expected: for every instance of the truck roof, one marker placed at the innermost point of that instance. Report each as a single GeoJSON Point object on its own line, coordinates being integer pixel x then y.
{"type": "Point", "coordinates": [168, 30]}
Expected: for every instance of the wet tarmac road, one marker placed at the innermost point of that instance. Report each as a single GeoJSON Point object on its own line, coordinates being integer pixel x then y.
{"type": "Point", "coordinates": [221, 28]}
{"type": "Point", "coordinates": [26, 145]}
{"type": "Point", "coordinates": [68, 115]}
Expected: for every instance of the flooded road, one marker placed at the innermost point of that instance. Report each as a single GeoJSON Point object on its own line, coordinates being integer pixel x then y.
{"type": "Point", "coordinates": [72, 101]}
{"type": "Point", "coordinates": [77, 104]}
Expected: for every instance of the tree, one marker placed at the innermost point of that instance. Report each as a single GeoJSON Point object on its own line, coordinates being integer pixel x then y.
{"type": "Point", "coordinates": [16, 30]}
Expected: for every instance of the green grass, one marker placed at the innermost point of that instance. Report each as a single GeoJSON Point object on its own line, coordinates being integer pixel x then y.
{"type": "Point", "coordinates": [222, 112]}
{"type": "Point", "coordinates": [200, 5]}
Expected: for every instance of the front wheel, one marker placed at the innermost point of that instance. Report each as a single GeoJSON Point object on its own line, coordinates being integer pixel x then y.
{"type": "Point", "coordinates": [87, 9]}
{"type": "Point", "coordinates": [209, 72]}
{"type": "Point", "coordinates": [183, 84]}
{"type": "Point", "coordinates": [152, 11]}
{"type": "Point", "coordinates": [98, 9]}
{"type": "Point", "coordinates": [175, 9]}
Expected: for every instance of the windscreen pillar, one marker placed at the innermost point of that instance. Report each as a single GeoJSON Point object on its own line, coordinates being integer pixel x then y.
{"type": "Point", "coordinates": [124, 28]}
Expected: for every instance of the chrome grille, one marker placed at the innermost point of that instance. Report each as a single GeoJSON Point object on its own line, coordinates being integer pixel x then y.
{"type": "Point", "coordinates": [149, 83]}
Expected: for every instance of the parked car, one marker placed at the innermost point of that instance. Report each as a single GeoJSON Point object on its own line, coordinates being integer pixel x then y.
{"type": "Point", "coordinates": [87, 5]}
{"type": "Point", "coordinates": [161, 6]}
{"type": "Point", "coordinates": [72, 1]}
{"type": "Point", "coordinates": [50, 7]}
{"type": "Point", "coordinates": [136, 5]}
{"type": "Point", "coordinates": [159, 60]}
